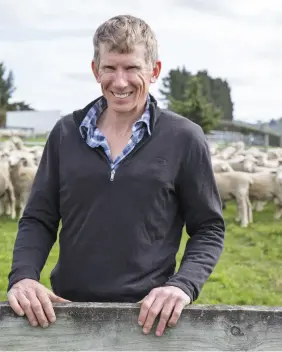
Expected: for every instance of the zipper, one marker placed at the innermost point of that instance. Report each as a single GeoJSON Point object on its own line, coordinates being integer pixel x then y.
{"type": "Point", "coordinates": [137, 147]}
{"type": "Point", "coordinates": [112, 175]}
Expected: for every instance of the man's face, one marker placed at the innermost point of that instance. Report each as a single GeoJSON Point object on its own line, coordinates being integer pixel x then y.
{"type": "Point", "coordinates": [125, 78]}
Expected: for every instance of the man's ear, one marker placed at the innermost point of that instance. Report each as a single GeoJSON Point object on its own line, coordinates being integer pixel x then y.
{"type": "Point", "coordinates": [156, 71]}
{"type": "Point", "coordinates": [95, 71]}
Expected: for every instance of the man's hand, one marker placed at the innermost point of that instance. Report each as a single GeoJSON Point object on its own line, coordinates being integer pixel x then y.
{"type": "Point", "coordinates": [168, 301]}
{"type": "Point", "coordinates": [29, 297]}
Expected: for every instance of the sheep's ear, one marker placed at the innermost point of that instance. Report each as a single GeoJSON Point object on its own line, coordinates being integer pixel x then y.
{"type": "Point", "coordinates": [273, 172]}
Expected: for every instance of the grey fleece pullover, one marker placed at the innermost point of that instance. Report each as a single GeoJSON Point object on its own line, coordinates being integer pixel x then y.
{"type": "Point", "coordinates": [119, 238]}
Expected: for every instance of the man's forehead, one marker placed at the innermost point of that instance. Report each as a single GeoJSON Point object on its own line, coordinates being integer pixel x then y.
{"type": "Point", "coordinates": [108, 52]}
{"type": "Point", "coordinates": [120, 59]}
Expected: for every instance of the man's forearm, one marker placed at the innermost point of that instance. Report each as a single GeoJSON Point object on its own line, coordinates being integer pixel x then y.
{"type": "Point", "coordinates": [201, 209]}
{"type": "Point", "coordinates": [201, 255]}
{"type": "Point", "coordinates": [31, 250]}
{"type": "Point", "coordinates": [37, 231]}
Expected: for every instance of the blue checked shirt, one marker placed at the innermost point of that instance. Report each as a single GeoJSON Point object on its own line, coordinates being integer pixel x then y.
{"type": "Point", "coordinates": [95, 137]}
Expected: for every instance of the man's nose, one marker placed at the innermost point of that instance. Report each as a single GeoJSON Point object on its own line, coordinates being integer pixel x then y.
{"type": "Point", "coordinates": [120, 80]}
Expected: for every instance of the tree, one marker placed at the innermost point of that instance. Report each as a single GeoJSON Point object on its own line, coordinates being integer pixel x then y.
{"type": "Point", "coordinates": [216, 90]}
{"type": "Point", "coordinates": [7, 89]}
{"type": "Point", "coordinates": [196, 106]}
{"type": "Point", "coordinates": [174, 84]}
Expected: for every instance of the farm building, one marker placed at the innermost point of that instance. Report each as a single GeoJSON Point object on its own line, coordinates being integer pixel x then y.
{"type": "Point", "coordinates": [40, 122]}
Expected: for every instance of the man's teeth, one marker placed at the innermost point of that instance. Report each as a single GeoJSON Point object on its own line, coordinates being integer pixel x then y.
{"type": "Point", "coordinates": [122, 96]}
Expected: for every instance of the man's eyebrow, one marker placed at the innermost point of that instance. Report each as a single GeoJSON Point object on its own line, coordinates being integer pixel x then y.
{"type": "Point", "coordinates": [107, 66]}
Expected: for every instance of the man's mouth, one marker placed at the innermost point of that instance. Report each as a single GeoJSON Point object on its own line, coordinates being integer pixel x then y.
{"type": "Point", "coordinates": [122, 95]}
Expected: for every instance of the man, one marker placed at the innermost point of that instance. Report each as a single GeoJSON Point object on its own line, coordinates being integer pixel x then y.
{"type": "Point", "coordinates": [123, 176]}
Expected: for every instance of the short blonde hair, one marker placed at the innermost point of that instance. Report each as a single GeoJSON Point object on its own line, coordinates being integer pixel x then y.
{"type": "Point", "coordinates": [122, 33]}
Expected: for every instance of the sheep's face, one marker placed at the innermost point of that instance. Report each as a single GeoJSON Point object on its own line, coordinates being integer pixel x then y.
{"type": "Point", "coordinates": [21, 159]}
{"type": "Point", "coordinates": [248, 165]}
{"type": "Point", "coordinates": [223, 168]}
{"type": "Point", "coordinates": [272, 154]}
{"type": "Point", "coordinates": [15, 160]}
{"type": "Point", "coordinates": [8, 146]}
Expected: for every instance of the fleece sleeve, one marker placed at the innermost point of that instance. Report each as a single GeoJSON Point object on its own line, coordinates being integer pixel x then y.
{"type": "Point", "coordinates": [37, 229]}
{"type": "Point", "coordinates": [202, 211]}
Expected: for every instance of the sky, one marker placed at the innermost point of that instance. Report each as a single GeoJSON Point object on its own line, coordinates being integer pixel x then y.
{"type": "Point", "coordinates": [48, 46]}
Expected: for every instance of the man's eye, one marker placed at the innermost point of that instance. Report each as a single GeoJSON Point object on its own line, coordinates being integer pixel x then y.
{"type": "Point", "coordinates": [132, 68]}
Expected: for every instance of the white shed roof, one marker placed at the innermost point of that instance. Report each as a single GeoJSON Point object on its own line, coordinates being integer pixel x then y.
{"type": "Point", "coordinates": [39, 121]}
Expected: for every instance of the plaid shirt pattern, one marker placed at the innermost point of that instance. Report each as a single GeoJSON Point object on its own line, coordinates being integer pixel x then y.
{"type": "Point", "coordinates": [95, 138]}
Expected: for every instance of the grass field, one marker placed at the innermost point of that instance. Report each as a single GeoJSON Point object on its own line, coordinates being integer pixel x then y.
{"type": "Point", "coordinates": [249, 270]}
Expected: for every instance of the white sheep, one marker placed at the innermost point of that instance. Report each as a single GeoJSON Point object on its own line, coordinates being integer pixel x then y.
{"type": "Point", "coordinates": [235, 185]}
{"type": "Point", "coordinates": [242, 163]}
{"type": "Point", "coordinates": [22, 172]}
{"type": "Point", "coordinates": [267, 186]}
{"type": "Point", "coordinates": [221, 166]}
{"type": "Point", "coordinates": [7, 194]}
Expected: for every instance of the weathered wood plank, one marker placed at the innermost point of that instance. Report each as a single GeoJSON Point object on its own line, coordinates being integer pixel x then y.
{"type": "Point", "coordinates": [113, 327]}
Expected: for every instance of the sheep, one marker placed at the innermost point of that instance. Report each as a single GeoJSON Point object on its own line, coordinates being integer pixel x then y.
{"type": "Point", "coordinates": [266, 186]}
{"type": "Point", "coordinates": [262, 161]}
{"type": "Point", "coordinates": [21, 166]}
{"type": "Point", "coordinates": [227, 152]}
{"type": "Point", "coordinates": [274, 153]}
{"type": "Point", "coordinates": [221, 166]}
{"type": "Point", "coordinates": [7, 146]}
{"type": "Point", "coordinates": [254, 151]}
{"type": "Point", "coordinates": [240, 146]}
{"type": "Point", "coordinates": [242, 163]}
{"type": "Point", "coordinates": [36, 150]}
{"type": "Point", "coordinates": [18, 142]}
{"type": "Point", "coordinates": [7, 194]}
{"type": "Point", "coordinates": [253, 160]}
{"type": "Point", "coordinates": [22, 171]}
{"type": "Point", "coordinates": [235, 185]}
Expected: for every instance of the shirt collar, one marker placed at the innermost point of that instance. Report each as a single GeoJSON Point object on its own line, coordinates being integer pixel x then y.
{"type": "Point", "coordinates": [97, 109]}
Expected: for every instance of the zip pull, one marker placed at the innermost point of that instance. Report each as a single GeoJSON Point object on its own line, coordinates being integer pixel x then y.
{"type": "Point", "coordinates": [112, 175]}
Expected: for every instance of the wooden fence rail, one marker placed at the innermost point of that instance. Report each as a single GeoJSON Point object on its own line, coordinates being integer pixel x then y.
{"type": "Point", "coordinates": [113, 327]}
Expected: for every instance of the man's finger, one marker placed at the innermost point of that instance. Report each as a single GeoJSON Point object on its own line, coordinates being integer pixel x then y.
{"type": "Point", "coordinates": [142, 300]}
{"type": "Point", "coordinates": [154, 311]}
{"type": "Point", "coordinates": [165, 315]}
{"type": "Point", "coordinates": [37, 309]}
{"type": "Point", "coordinates": [176, 313]}
{"type": "Point", "coordinates": [57, 299]}
{"type": "Point", "coordinates": [146, 305]}
{"type": "Point", "coordinates": [46, 305]}
{"type": "Point", "coordinates": [26, 306]}
{"type": "Point", "coordinates": [13, 302]}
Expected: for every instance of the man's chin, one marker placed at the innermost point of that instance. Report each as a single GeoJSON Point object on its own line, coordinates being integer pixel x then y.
{"type": "Point", "coordinates": [121, 106]}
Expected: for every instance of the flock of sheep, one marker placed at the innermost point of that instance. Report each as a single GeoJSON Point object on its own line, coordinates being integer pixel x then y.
{"type": "Point", "coordinates": [250, 176]}
{"type": "Point", "coordinates": [19, 165]}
